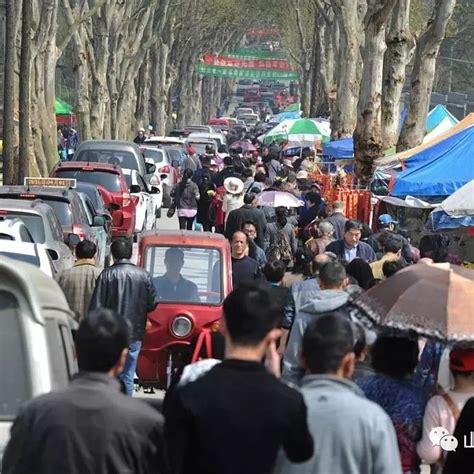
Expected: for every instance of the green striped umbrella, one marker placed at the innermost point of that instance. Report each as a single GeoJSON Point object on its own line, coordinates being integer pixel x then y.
{"type": "Point", "coordinates": [297, 132]}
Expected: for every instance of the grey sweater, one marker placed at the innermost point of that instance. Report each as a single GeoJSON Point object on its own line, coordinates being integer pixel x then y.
{"type": "Point", "coordinates": [352, 435]}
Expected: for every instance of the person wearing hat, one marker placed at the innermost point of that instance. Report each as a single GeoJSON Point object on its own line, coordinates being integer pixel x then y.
{"type": "Point", "coordinates": [140, 138]}
{"type": "Point", "coordinates": [287, 168]}
{"type": "Point", "coordinates": [387, 226]}
{"type": "Point", "coordinates": [233, 197]}
{"type": "Point", "coordinates": [191, 161]}
{"type": "Point", "coordinates": [444, 410]}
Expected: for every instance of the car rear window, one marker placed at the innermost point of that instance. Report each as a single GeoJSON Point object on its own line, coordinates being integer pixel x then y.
{"type": "Point", "coordinates": [33, 222]}
{"type": "Point", "coordinates": [63, 211]}
{"type": "Point", "coordinates": [156, 155]}
{"type": "Point", "coordinates": [110, 181]}
{"type": "Point", "coordinates": [124, 159]}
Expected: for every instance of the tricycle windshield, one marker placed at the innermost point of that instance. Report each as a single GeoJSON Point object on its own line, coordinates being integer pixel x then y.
{"type": "Point", "coordinates": [186, 274]}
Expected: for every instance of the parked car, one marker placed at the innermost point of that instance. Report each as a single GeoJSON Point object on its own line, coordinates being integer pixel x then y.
{"type": "Point", "coordinates": [14, 229]}
{"type": "Point", "coordinates": [145, 205]}
{"type": "Point", "coordinates": [243, 111]}
{"type": "Point", "coordinates": [112, 186]}
{"type": "Point", "coordinates": [98, 225]}
{"type": "Point", "coordinates": [35, 336]}
{"type": "Point", "coordinates": [200, 128]}
{"type": "Point", "coordinates": [29, 252]}
{"type": "Point", "coordinates": [43, 225]}
{"type": "Point", "coordinates": [115, 152]}
{"type": "Point", "coordinates": [166, 174]}
{"type": "Point", "coordinates": [207, 264]}
{"type": "Point", "coordinates": [65, 203]}
{"type": "Point", "coordinates": [94, 194]}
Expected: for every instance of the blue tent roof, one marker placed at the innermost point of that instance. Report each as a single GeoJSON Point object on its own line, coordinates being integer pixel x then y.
{"type": "Point", "coordinates": [437, 115]}
{"type": "Point", "coordinates": [439, 170]}
{"type": "Point", "coordinates": [340, 148]}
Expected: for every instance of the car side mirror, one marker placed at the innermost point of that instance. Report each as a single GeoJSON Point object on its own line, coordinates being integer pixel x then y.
{"type": "Point", "coordinates": [150, 168]}
{"type": "Point", "coordinates": [53, 254]}
{"type": "Point", "coordinates": [154, 190]}
{"type": "Point", "coordinates": [135, 189]}
{"type": "Point", "coordinates": [163, 176]}
{"type": "Point", "coordinates": [72, 240]}
{"type": "Point", "coordinates": [99, 221]}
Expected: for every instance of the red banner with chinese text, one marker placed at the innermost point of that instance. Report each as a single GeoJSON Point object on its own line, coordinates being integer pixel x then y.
{"type": "Point", "coordinates": [226, 61]}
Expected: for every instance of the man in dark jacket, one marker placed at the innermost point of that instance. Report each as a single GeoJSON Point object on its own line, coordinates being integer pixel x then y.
{"type": "Point", "coordinates": [89, 427]}
{"type": "Point", "coordinates": [227, 172]}
{"type": "Point", "coordinates": [350, 246]}
{"type": "Point", "coordinates": [387, 229]}
{"type": "Point", "coordinates": [129, 291]}
{"type": "Point", "coordinates": [198, 176]}
{"type": "Point", "coordinates": [236, 417]}
{"type": "Point", "coordinates": [337, 219]}
{"type": "Point", "coordinates": [248, 212]}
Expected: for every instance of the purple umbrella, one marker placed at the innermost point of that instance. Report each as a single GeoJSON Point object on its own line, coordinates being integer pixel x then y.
{"type": "Point", "coordinates": [246, 146]}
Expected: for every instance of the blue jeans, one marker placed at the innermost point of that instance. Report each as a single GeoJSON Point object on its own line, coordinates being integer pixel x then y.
{"type": "Point", "coordinates": [128, 372]}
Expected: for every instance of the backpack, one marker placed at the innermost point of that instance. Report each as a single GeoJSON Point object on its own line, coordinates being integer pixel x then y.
{"type": "Point", "coordinates": [280, 249]}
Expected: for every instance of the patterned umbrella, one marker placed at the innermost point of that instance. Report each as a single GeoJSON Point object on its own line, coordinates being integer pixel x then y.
{"type": "Point", "coordinates": [278, 198]}
{"type": "Point", "coordinates": [433, 300]}
{"type": "Point", "coordinates": [246, 146]}
{"type": "Point", "coordinates": [297, 132]}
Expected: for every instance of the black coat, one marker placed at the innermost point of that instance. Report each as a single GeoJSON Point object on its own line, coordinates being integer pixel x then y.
{"type": "Point", "coordinates": [364, 251]}
{"type": "Point", "coordinates": [237, 217]}
{"type": "Point", "coordinates": [374, 242]}
{"type": "Point", "coordinates": [87, 428]}
{"type": "Point", "coordinates": [128, 290]}
{"type": "Point", "coordinates": [234, 420]}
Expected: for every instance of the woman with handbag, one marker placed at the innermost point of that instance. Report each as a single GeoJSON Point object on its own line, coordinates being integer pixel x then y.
{"type": "Point", "coordinates": [185, 201]}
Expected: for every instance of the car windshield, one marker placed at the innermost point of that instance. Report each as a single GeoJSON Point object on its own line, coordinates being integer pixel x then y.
{"type": "Point", "coordinates": [186, 274]}
{"type": "Point", "coordinates": [15, 386]}
{"type": "Point", "coordinates": [21, 257]}
{"type": "Point", "coordinates": [201, 146]}
{"type": "Point", "coordinates": [33, 222]}
{"type": "Point", "coordinates": [156, 155]}
{"type": "Point", "coordinates": [175, 154]}
{"type": "Point", "coordinates": [63, 212]}
{"type": "Point", "coordinates": [109, 181]}
{"type": "Point", "coordinates": [124, 159]}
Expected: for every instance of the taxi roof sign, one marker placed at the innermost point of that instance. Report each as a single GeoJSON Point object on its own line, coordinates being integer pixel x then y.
{"type": "Point", "coordinates": [51, 182]}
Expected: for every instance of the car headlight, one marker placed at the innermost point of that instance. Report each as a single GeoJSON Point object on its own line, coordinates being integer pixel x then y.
{"type": "Point", "coordinates": [181, 326]}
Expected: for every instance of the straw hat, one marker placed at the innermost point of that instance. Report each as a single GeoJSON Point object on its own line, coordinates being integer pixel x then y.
{"type": "Point", "coordinates": [302, 174]}
{"type": "Point", "coordinates": [233, 185]}
{"type": "Point", "coordinates": [288, 163]}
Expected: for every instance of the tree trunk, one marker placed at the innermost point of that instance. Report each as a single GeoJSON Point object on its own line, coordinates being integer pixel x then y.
{"type": "Point", "coordinates": [423, 75]}
{"type": "Point", "coordinates": [9, 92]}
{"type": "Point", "coordinates": [24, 90]}
{"type": "Point", "coordinates": [344, 118]}
{"type": "Point", "coordinates": [368, 133]}
{"type": "Point", "coordinates": [399, 46]}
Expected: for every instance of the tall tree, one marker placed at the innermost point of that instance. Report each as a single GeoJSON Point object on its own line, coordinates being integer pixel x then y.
{"type": "Point", "coordinates": [368, 133]}
{"type": "Point", "coordinates": [423, 74]}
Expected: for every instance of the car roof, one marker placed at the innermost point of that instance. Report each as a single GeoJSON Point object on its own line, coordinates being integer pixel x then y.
{"type": "Point", "coordinates": [164, 140]}
{"type": "Point", "coordinates": [41, 291]}
{"type": "Point", "coordinates": [35, 206]}
{"type": "Point", "coordinates": [106, 144]}
{"type": "Point", "coordinates": [23, 248]}
{"type": "Point", "coordinates": [87, 166]}
{"type": "Point", "coordinates": [183, 238]}
{"type": "Point", "coordinates": [62, 194]}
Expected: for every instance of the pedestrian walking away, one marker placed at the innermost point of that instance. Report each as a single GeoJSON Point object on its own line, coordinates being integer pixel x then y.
{"type": "Point", "coordinates": [129, 291]}
{"type": "Point", "coordinates": [89, 427]}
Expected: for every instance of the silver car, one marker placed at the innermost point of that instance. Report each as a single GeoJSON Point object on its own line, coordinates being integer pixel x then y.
{"type": "Point", "coordinates": [35, 336]}
{"type": "Point", "coordinates": [43, 225]}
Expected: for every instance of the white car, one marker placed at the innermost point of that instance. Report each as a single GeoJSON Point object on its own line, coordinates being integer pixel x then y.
{"type": "Point", "coordinates": [142, 195]}
{"type": "Point", "coordinates": [14, 229]}
{"type": "Point", "coordinates": [219, 138]}
{"type": "Point", "coordinates": [29, 252]}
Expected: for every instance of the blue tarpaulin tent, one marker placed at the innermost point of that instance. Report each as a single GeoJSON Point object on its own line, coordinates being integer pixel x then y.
{"type": "Point", "coordinates": [339, 149]}
{"type": "Point", "coordinates": [439, 170]}
{"type": "Point", "coordinates": [437, 115]}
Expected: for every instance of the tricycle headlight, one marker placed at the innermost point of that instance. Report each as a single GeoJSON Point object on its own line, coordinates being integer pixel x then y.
{"type": "Point", "coordinates": [181, 326]}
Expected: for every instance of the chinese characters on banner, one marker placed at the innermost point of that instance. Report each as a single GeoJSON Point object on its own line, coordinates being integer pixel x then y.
{"type": "Point", "coordinates": [246, 73]}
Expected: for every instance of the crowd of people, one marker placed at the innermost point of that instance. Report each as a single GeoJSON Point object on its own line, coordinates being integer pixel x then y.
{"type": "Point", "coordinates": [299, 385]}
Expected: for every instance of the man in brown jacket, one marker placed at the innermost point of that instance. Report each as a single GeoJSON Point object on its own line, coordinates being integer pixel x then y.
{"type": "Point", "coordinates": [78, 282]}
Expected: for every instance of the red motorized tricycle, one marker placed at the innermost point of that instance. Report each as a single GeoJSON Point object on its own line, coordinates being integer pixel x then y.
{"type": "Point", "coordinates": [192, 275]}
